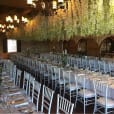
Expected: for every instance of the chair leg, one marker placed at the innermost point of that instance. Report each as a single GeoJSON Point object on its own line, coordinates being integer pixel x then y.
{"type": "Point", "coordinates": [60, 89]}
{"type": "Point", "coordinates": [53, 84]}
{"type": "Point", "coordinates": [64, 91]}
{"type": "Point", "coordinates": [84, 106]}
{"type": "Point", "coordinates": [70, 96]}
{"type": "Point", "coordinates": [76, 100]}
{"type": "Point", "coordinates": [95, 107]}
{"type": "Point", "coordinates": [106, 110]}
{"type": "Point", "coordinates": [76, 97]}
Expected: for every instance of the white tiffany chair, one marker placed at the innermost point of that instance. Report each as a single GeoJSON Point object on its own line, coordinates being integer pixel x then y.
{"type": "Point", "coordinates": [64, 105]}
{"type": "Point", "coordinates": [103, 104]}
{"type": "Point", "coordinates": [31, 85]}
{"type": "Point", "coordinates": [14, 69]}
{"type": "Point", "coordinates": [60, 82]}
{"type": "Point", "coordinates": [36, 94]}
{"type": "Point", "coordinates": [47, 97]}
{"type": "Point", "coordinates": [54, 77]}
{"type": "Point", "coordinates": [11, 65]}
{"type": "Point", "coordinates": [45, 73]}
{"type": "Point", "coordinates": [84, 95]}
{"type": "Point", "coordinates": [18, 77]}
{"type": "Point", "coordinates": [70, 84]}
{"type": "Point", "coordinates": [26, 82]}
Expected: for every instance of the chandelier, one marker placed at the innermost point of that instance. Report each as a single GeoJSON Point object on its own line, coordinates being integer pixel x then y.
{"type": "Point", "coordinates": [11, 22]}
{"type": "Point", "coordinates": [48, 7]}
{"type": "Point", "coordinates": [32, 3]}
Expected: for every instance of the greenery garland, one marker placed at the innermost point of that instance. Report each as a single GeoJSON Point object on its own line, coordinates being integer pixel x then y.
{"type": "Point", "coordinates": [83, 18]}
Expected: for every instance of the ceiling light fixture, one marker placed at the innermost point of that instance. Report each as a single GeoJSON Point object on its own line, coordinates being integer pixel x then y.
{"type": "Point", "coordinates": [48, 7]}
{"type": "Point", "coordinates": [11, 22]}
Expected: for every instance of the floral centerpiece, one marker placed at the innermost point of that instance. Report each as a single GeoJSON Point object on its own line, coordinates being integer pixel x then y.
{"type": "Point", "coordinates": [64, 58]}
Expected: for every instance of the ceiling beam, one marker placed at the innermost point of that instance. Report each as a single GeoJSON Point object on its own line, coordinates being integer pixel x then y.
{"type": "Point", "coordinates": [14, 3]}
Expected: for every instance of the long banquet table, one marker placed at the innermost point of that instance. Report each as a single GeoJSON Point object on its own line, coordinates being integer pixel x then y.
{"type": "Point", "coordinates": [90, 76]}
{"type": "Point", "coordinates": [13, 99]}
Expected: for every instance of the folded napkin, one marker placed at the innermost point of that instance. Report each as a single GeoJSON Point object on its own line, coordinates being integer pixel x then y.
{"type": "Point", "coordinates": [81, 74]}
{"type": "Point", "coordinates": [16, 93]}
{"type": "Point", "coordinates": [22, 104]}
{"type": "Point", "coordinates": [27, 110]}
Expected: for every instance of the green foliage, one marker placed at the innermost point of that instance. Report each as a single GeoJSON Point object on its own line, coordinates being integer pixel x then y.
{"type": "Point", "coordinates": [83, 18]}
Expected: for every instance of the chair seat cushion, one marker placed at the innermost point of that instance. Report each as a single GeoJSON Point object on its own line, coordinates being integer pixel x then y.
{"type": "Point", "coordinates": [110, 102]}
{"type": "Point", "coordinates": [87, 93]}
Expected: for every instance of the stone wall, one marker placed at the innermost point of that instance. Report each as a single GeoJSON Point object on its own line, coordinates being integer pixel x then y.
{"type": "Point", "coordinates": [92, 48]}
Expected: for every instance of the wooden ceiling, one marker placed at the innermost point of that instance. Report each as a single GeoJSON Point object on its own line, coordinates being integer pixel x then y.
{"type": "Point", "coordinates": [15, 7]}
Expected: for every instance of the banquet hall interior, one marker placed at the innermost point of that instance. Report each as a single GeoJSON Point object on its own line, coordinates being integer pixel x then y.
{"type": "Point", "coordinates": [57, 56]}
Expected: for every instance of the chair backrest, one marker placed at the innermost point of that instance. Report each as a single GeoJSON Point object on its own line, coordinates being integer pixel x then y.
{"type": "Point", "coordinates": [111, 67]}
{"type": "Point", "coordinates": [36, 93]}
{"type": "Point", "coordinates": [61, 73]}
{"type": "Point", "coordinates": [64, 105]}
{"type": "Point", "coordinates": [78, 62]}
{"type": "Point", "coordinates": [14, 69]}
{"type": "Point", "coordinates": [100, 88]}
{"type": "Point", "coordinates": [31, 85]}
{"type": "Point", "coordinates": [18, 77]}
{"type": "Point", "coordinates": [47, 96]}
{"type": "Point", "coordinates": [107, 68]}
{"type": "Point", "coordinates": [6, 67]}
{"type": "Point", "coordinates": [11, 70]}
{"type": "Point", "coordinates": [26, 81]}
{"type": "Point", "coordinates": [67, 76]}
{"type": "Point", "coordinates": [101, 66]}
{"type": "Point", "coordinates": [42, 68]}
{"type": "Point", "coordinates": [49, 69]}
{"type": "Point", "coordinates": [57, 71]}
{"type": "Point", "coordinates": [81, 81]}
{"type": "Point", "coordinates": [84, 63]}
{"type": "Point", "coordinates": [96, 65]}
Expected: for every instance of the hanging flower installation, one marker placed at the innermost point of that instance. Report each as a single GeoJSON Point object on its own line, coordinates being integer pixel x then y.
{"type": "Point", "coordinates": [83, 18]}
